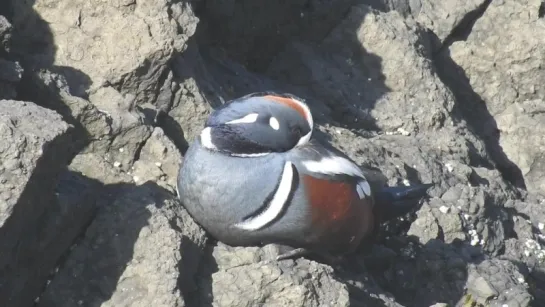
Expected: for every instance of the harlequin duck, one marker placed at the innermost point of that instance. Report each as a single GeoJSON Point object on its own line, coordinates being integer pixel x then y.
{"type": "Point", "coordinates": [256, 176]}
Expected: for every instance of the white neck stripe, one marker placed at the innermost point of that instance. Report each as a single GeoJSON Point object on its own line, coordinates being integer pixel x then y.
{"type": "Point", "coordinates": [277, 204]}
{"type": "Point", "coordinates": [206, 138]}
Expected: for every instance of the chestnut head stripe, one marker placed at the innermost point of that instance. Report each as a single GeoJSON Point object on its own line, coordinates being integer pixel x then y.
{"type": "Point", "coordinates": [301, 108]}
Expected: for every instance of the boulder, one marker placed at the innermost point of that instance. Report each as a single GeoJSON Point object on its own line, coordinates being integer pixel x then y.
{"type": "Point", "coordinates": [35, 227]}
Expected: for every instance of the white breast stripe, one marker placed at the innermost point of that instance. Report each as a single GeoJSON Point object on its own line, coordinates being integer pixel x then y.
{"type": "Point", "coordinates": [248, 119]}
{"type": "Point", "coordinates": [206, 138]}
{"type": "Point", "coordinates": [252, 155]}
{"type": "Point", "coordinates": [276, 205]}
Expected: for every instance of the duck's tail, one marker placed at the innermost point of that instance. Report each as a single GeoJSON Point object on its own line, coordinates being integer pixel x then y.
{"type": "Point", "coordinates": [393, 202]}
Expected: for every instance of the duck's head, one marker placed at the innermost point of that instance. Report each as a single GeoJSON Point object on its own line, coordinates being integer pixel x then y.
{"type": "Point", "coordinates": [258, 124]}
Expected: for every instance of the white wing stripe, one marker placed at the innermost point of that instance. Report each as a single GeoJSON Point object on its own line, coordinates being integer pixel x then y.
{"type": "Point", "coordinates": [334, 165]}
{"type": "Point", "coordinates": [276, 205]}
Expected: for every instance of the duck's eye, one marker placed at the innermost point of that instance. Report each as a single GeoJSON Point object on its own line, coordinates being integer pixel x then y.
{"type": "Point", "coordinates": [296, 131]}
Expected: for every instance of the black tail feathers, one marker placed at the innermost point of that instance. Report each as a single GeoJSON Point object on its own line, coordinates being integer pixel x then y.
{"type": "Point", "coordinates": [393, 202]}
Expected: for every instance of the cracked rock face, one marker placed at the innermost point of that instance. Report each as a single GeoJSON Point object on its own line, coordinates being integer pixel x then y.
{"type": "Point", "coordinates": [416, 91]}
{"type": "Point", "coordinates": [504, 66]}
{"type": "Point", "coordinates": [32, 155]}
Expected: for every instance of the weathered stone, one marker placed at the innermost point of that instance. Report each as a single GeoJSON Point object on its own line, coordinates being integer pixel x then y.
{"type": "Point", "coordinates": [141, 250]}
{"type": "Point", "coordinates": [32, 155]}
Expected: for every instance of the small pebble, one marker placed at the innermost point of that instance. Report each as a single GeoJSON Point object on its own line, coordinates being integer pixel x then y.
{"type": "Point", "coordinates": [540, 226]}
{"type": "Point", "coordinates": [444, 209]}
{"type": "Point", "coordinates": [136, 178]}
{"type": "Point", "coordinates": [121, 149]}
{"type": "Point", "coordinates": [117, 164]}
{"type": "Point", "coordinates": [158, 164]}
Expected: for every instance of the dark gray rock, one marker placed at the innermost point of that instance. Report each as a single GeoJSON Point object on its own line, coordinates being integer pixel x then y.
{"type": "Point", "coordinates": [10, 72]}
{"type": "Point", "coordinates": [503, 68]}
{"type": "Point", "coordinates": [250, 277]}
{"type": "Point", "coordinates": [498, 283]}
{"type": "Point", "coordinates": [141, 250]}
{"type": "Point", "coordinates": [444, 18]}
{"type": "Point", "coordinates": [34, 230]}
{"type": "Point", "coordinates": [141, 90]}
{"type": "Point", "coordinates": [5, 35]}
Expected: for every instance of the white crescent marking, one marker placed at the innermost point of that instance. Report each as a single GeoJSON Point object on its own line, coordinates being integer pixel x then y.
{"type": "Point", "coordinates": [248, 119]}
{"type": "Point", "coordinates": [276, 205]}
{"type": "Point", "coordinates": [310, 120]}
{"type": "Point", "coordinates": [206, 138]}
{"type": "Point", "coordinates": [365, 188]}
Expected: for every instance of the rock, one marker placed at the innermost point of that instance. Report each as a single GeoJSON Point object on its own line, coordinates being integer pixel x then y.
{"type": "Point", "coordinates": [5, 35]}
{"type": "Point", "coordinates": [504, 68]}
{"type": "Point", "coordinates": [10, 71]}
{"type": "Point", "coordinates": [159, 161]}
{"type": "Point", "coordinates": [123, 43]}
{"type": "Point", "coordinates": [359, 85]}
{"type": "Point", "coordinates": [253, 34]}
{"type": "Point", "coordinates": [107, 61]}
{"type": "Point", "coordinates": [190, 107]}
{"type": "Point", "coordinates": [498, 283]}
{"type": "Point", "coordinates": [140, 250]}
{"type": "Point", "coordinates": [425, 226]}
{"type": "Point", "coordinates": [525, 121]}
{"type": "Point", "coordinates": [136, 80]}
{"type": "Point", "coordinates": [445, 16]}
{"type": "Point", "coordinates": [34, 231]}
{"type": "Point", "coordinates": [248, 277]}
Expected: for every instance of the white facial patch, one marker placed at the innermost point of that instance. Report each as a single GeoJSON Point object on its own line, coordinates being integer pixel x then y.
{"type": "Point", "coordinates": [248, 119]}
{"type": "Point", "coordinates": [273, 122]}
{"type": "Point", "coordinates": [206, 138]}
{"type": "Point", "coordinates": [276, 205]}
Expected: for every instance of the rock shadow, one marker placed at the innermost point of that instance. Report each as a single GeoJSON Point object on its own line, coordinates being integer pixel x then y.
{"type": "Point", "coordinates": [39, 229]}
{"type": "Point", "coordinates": [471, 107]}
{"type": "Point", "coordinates": [293, 47]}
{"type": "Point", "coordinates": [200, 294]}
{"type": "Point", "coordinates": [33, 45]}
{"type": "Point", "coordinates": [91, 271]}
